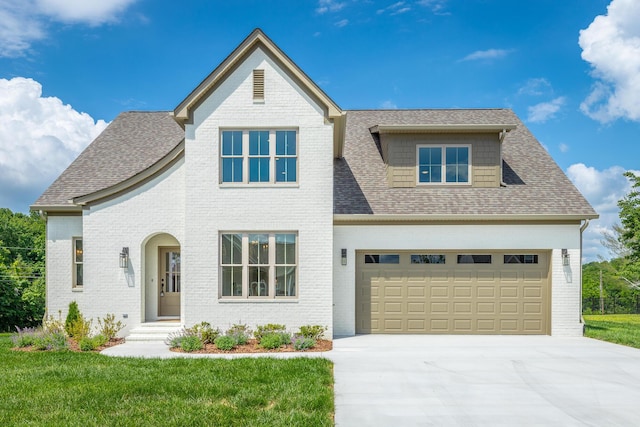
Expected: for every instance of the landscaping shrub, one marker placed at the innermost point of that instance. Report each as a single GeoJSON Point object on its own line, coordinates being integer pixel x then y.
{"type": "Point", "coordinates": [240, 333]}
{"type": "Point", "coordinates": [301, 343]}
{"type": "Point", "coordinates": [100, 340]}
{"type": "Point", "coordinates": [24, 337]}
{"type": "Point", "coordinates": [225, 342]}
{"type": "Point", "coordinates": [313, 331]}
{"type": "Point", "coordinates": [205, 332]}
{"type": "Point", "coordinates": [51, 324]}
{"type": "Point", "coordinates": [175, 338]}
{"type": "Point", "coordinates": [55, 341]}
{"type": "Point", "coordinates": [109, 327]}
{"type": "Point", "coordinates": [80, 328]}
{"type": "Point", "coordinates": [191, 343]}
{"type": "Point", "coordinates": [72, 316]}
{"type": "Point", "coordinates": [269, 328]}
{"type": "Point", "coordinates": [271, 341]}
{"type": "Point", "coordinates": [86, 344]}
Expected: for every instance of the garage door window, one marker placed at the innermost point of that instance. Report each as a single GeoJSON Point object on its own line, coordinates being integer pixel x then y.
{"type": "Point", "coordinates": [521, 259]}
{"type": "Point", "coordinates": [474, 259]}
{"type": "Point", "coordinates": [382, 259]}
{"type": "Point", "coordinates": [428, 259]}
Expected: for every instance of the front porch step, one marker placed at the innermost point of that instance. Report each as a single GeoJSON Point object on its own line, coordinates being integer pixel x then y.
{"type": "Point", "coordinates": [153, 331]}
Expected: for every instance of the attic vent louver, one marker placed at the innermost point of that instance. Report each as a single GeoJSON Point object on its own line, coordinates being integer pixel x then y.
{"type": "Point", "coordinates": [258, 85]}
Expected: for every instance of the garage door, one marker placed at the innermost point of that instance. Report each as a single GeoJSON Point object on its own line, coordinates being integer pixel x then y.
{"type": "Point", "coordinates": [453, 292]}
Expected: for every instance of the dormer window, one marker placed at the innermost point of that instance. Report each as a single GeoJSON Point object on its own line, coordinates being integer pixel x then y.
{"type": "Point", "coordinates": [444, 164]}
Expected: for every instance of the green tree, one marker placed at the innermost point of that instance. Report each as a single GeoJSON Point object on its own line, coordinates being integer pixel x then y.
{"type": "Point", "coordinates": [630, 218]}
{"type": "Point", "coordinates": [22, 282]}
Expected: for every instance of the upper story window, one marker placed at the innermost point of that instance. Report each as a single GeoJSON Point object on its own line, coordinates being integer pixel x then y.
{"type": "Point", "coordinates": [447, 164]}
{"type": "Point", "coordinates": [259, 156]}
{"type": "Point", "coordinates": [77, 262]}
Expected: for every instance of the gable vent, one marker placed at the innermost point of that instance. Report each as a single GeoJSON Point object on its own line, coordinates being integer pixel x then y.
{"type": "Point", "coordinates": [258, 85]}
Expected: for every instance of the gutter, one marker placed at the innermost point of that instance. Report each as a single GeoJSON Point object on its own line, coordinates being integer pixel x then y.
{"type": "Point", "coordinates": [373, 218]}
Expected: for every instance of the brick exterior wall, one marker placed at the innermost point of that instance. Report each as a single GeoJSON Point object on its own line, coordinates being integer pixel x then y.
{"type": "Point", "coordinates": [565, 281]}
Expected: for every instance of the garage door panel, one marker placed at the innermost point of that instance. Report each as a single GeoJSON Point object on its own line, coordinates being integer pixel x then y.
{"type": "Point", "coordinates": [462, 291]}
{"type": "Point", "coordinates": [497, 298]}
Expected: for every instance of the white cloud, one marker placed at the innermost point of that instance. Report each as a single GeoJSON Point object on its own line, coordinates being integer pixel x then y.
{"type": "Point", "coordinates": [436, 6]}
{"type": "Point", "coordinates": [342, 23]}
{"type": "Point", "coordinates": [603, 189]}
{"type": "Point", "coordinates": [388, 105]}
{"type": "Point", "coordinates": [24, 22]}
{"type": "Point", "coordinates": [544, 111]}
{"type": "Point", "coordinates": [611, 44]}
{"type": "Point", "coordinates": [325, 6]}
{"type": "Point", "coordinates": [39, 137]}
{"type": "Point", "coordinates": [536, 87]}
{"type": "Point", "coordinates": [563, 148]}
{"type": "Point", "coordinates": [397, 8]}
{"type": "Point", "coordinates": [487, 54]}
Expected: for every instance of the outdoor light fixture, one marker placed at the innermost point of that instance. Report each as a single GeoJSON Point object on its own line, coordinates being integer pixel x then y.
{"type": "Point", "coordinates": [565, 257]}
{"type": "Point", "coordinates": [124, 258]}
{"type": "Point", "coordinates": [344, 256]}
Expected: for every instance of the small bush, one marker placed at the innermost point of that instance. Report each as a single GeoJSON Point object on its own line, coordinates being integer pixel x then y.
{"type": "Point", "coordinates": [86, 344]}
{"type": "Point", "coordinates": [72, 316]}
{"type": "Point", "coordinates": [191, 343]}
{"type": "Point", "coordinates": [109, 327]}
{"type": "Point", "coordinates": [240, 333]}
{"type": "Point", "coordinates": [24, 337]}
{"type": "Point", "coordinates": [51, 324]}
{"type": "Point", "coordinates": [269, 328]}
{"type": "Point", "coordinates": [301, 343]}
{"type": "Point", "coordinates": [225, 342]}
{"type": "Point", "coordinates": [271, 341]}
{"type": "Point", "coordinates": [80, 328]}
{"type": "Point", "coordinates": [175, 338]}
{"type": "Point", "coordinates": [313, 331]}
{"type": "Point", "coordinates": [55, 341]}
{"type": "Point", "coordinates": [100, 340]}
{"type": "Point", "coordinates": [205, 332]}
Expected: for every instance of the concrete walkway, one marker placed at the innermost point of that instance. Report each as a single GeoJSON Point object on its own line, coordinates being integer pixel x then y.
{"type": "Point", "coordinates": [431, 380]}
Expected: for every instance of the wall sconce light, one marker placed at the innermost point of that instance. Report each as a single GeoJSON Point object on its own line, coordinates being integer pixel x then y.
{"type": "Point", "coordinates": [343, 253]}
{"type": "Point", "coordinates": [124, 258]}
{"type": "Point", "coordinates": [565, 257]}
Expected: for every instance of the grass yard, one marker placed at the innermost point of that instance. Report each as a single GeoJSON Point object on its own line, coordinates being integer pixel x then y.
{"type": "Point", "coordinates": [41, 388]}
{"type": "Point", "coordinates": [616, 328]}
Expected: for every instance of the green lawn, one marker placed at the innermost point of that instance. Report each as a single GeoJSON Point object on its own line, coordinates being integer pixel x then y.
{"type": "Point", "coordinates": [617, 328]}
{"type": "Point", "coordinates": [91, 389]}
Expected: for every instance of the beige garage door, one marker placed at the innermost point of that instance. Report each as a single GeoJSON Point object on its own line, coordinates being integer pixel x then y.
{"type": "Point", "coordinates": [453, 292]}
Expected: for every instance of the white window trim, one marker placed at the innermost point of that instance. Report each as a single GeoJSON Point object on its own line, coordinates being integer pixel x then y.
{"type": "Point", "coordinates": [272, 158]}
{"type": "Point", "coordinates": [443, 181]}
{"type": "Point", "coordinates": [245, 267]}
{"type": "Point", "coordinates": [75, 263]}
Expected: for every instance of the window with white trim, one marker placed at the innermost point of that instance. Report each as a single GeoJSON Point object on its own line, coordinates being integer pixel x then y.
{"type": "Point", "coordinates": [444, 164]}
{"type": "Point", "coordinates": [259, 156]}
{"type": "Point", "coordinates": [78, 279]}
{"type": "Point", "coordinates": [258, 265]}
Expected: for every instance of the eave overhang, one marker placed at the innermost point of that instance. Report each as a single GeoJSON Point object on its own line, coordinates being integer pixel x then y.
{"type": "Point", "coordinates": [347, 219]}
{"type": "Point", "coordinates": [442, 128]}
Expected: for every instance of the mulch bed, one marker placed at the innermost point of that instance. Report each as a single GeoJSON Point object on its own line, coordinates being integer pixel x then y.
{"type": "Point", "coordinates": [252, 347]}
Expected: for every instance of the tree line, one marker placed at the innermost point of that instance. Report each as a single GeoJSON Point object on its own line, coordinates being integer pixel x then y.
{"type": "Point", "coordinates": [22, 269]}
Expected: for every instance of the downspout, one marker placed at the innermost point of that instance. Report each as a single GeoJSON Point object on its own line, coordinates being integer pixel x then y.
{"type": "Point", "coordinates": [582, 228]}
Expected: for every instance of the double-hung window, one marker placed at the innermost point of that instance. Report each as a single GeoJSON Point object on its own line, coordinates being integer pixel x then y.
{"type": "Point", "coordinates": [77, 263]}
{"type": "Point", "coordinates": [448, 164]}
{"type": "Point", "coordinates": [258, 265]}
{"type": "Point", "coordinates": [259, 156]}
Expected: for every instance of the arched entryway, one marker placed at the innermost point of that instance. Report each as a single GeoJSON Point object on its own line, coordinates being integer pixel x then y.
{"type": "Point", "coordinates": [163, 283]}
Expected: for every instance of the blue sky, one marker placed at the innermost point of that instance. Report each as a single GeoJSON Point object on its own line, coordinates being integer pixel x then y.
{"type": "Point", "coordinates": [570, 69]}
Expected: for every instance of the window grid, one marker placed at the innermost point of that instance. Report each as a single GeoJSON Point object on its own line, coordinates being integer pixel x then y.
{"type": "Point", "coordinates": [258, 156]}
{"type": "Point", "coordinates": [264, 265]}
{"type": "Point", "coordinates": [78, 262]}
{"type": "Point", "coordinates": [443, 164]}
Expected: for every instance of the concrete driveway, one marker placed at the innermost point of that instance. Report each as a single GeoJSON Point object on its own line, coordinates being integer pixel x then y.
{"type": "Point", "coordinates": [386, 380]}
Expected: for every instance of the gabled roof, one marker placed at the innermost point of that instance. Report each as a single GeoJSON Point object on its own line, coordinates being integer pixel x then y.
{"type": "Point", "coordinates": [125, 152]}
{"type": "Point", "coordinates": [536, 188]}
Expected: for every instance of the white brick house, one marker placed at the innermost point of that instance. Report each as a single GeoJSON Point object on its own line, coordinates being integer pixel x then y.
{"type": "Point", "coordinates": [258, 200]}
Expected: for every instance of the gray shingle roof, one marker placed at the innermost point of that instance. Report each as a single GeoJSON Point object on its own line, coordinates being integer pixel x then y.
{"type": "Point", "coordinates": [535, 183]}
{"type": "Point", "coordinates": [133, 142]}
